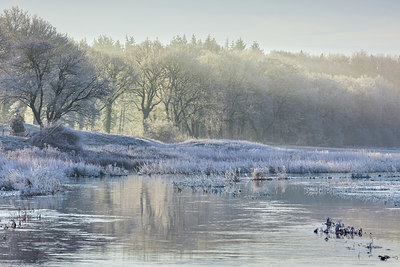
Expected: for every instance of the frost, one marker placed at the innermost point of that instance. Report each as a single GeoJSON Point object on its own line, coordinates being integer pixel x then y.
{"type": "Point", "coordinates": [41, 171]}
{"type": "Point", "coordinates": [219, 156]}
{"type": "Point", "coordinates": [34, 171]}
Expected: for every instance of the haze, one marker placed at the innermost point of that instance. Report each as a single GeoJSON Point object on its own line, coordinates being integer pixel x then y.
{"type": "Point", "coordinates": [338, 26]}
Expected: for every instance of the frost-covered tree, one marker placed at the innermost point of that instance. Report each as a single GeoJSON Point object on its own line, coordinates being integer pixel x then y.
{"type": "Point", "coordinates": [107, 45]}
{"type": "Point", "coordinates": [239, 45]}
{"type": "Point", "coordinates": [3, 46]}
{"type": "Point", "coordinates": [51, 79]}
{"type": "Point", "coordinates": [46, 71]}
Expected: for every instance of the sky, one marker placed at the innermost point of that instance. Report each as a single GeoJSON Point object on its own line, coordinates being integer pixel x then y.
{"type": "Point", "coordinates": [314, 26]}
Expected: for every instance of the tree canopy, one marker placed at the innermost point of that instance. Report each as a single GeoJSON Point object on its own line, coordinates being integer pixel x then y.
{"type": "Point", "coordinates": [46, 71]}
{"type": "Point", "coordinates": [200, 88]}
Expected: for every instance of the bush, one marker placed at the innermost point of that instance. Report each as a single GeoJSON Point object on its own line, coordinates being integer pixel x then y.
{"type": "Point", "coordinates": [59, 137]}
{"type": "Point", "coordinates": [163, 131]}
{"type": "Point", "coordinates": [17, 125]}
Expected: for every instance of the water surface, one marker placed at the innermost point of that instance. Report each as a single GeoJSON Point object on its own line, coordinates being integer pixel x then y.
{"type": "Point", "coordinates": [147, 221]}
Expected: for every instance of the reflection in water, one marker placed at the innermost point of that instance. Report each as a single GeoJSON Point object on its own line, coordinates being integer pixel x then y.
{"type": "Point", "coordinates": [142, 219]}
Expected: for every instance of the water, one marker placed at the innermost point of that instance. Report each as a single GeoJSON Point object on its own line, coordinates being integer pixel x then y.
{"type": "Point", "coordinates": [146, 221]}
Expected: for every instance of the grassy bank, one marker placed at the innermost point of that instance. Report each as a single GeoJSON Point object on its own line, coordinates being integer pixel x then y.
{"type": "Point", "coordinates": [31, 170]}
{"type": "Point", "coordinates": [219, 156]}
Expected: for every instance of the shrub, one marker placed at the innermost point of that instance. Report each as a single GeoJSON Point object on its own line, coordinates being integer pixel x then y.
{"type": "Point", "coordinates": [163, 131]}
{"type": "Point", "coordinates": [17, 125]}
{"type": "Point", "coordinates": [58, 136]}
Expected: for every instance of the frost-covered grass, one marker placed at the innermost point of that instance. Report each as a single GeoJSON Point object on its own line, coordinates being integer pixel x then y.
{"type": "Point", "coordinates": [31, 170]}
{"type": "Point", "coordinates": [34, 171]}
{"type": "Point", "coordinates": [12, 142]}
{"type": "Point", "coordinates": [39, 171]}
{"type": "Point", "coordinates": [219, 156]}
{"type": "Point", "coordinates": [29, 176]}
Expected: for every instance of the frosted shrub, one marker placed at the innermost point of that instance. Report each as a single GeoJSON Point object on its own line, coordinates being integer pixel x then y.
{"type": "Point", "coordinates": [34, 171]}
{"type": "Point", "coordinates": [17, 125]}
{"type": "Point", "coordinates": [163, 131]}
{"type": "Point", "coordinates": [58, 136]}
{"type": "Point", "coordinates": [82, 169]}
{"type": "Point", "coordinates": [31, 177]}
{"type": "Point", "coordinates": [258, 174]}
{"type": "Point", "coordinates": [114, 170]}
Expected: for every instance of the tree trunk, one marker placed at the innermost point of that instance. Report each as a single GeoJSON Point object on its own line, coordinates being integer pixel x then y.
{"type": "Point", "coordinates": [107, 118]}
{"type": "Point", "coordinates": [72, 120]}
{"type": "Point", "coordinates": [146, 114]}
{"type": "Point", "coordinates": [81, 122]}
{"type": "Point", "coordinates": [121, 125]}
{"type": "Point", "coordinates": [37, 118]}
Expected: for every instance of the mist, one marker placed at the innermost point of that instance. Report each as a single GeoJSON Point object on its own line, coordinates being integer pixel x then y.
{"type": "Point", "coordinates": [191, 88]}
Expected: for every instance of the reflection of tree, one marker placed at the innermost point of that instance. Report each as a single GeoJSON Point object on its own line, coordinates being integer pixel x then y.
{"type": "Point", "coordinates": [161, 220]}
{"type": "Point", "coordinates": [155, 218]}
{"type": "Point", "coordinates": [144, 214]}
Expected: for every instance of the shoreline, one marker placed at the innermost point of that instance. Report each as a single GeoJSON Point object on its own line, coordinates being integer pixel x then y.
{"type": "Point", "coordinates": [43, 171]}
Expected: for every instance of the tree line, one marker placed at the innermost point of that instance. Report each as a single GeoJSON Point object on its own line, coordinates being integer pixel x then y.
{"type": "Point", "coordinates": [193, 88]}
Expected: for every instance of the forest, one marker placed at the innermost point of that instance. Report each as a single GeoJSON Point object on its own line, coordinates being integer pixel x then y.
{"type": "Point", "coordinates": [196, 89]}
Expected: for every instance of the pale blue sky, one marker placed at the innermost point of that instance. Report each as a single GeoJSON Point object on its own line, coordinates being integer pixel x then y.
{"type": "Point", "coordinates": [327, 26]}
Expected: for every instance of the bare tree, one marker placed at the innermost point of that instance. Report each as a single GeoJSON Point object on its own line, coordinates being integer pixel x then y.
{"type": "Point", "coordinates": [46, 71]}
{"type": "Point", "coordinates": [150, 75]}
{"type": "Point", "coordinates": [184, 89]}
{"type": "Point", "coordinates": [121, 77]}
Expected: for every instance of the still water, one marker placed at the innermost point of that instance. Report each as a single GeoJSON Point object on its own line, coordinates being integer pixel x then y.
{"type": "Point", "coordinates": [146, 221]}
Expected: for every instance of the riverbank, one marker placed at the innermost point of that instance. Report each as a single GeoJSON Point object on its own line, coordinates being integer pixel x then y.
{"type": "Point", "coordinates": [31, 170]}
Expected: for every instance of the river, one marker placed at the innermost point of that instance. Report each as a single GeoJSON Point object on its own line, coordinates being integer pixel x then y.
{"type": "Point", "coordinates": [140, 220]}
